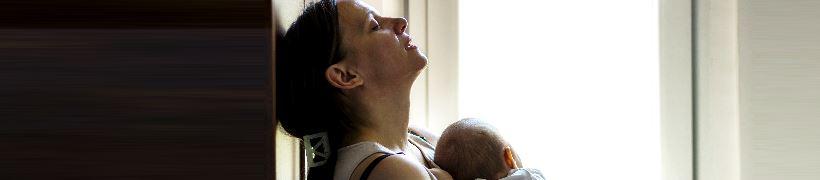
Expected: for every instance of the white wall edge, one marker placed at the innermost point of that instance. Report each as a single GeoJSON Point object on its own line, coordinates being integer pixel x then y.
{"type": "Point", "coordinates": [717, 90]}
{"type": "Point", "coordinates": [676, 90]}
{"type": "Point", "coordinates": [442, 72]}
{"type": "Point", "coordinates": [416, 14]}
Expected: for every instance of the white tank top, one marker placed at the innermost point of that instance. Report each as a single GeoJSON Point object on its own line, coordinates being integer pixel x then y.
{"type": "Point", "coordinates": [350, 156]}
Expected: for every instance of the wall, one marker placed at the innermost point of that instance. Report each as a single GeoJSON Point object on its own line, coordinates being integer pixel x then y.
{"type": "Point", "coordinates": [716, 90]}
{"type": "Point", "coordinates": [779, 48]}
{"type": "Point", "coordinates": [442, 54]}
{"type": "Point", "coordinates": [758, 89]}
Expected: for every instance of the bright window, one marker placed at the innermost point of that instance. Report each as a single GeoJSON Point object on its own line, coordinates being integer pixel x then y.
{"type": "Point", "coordinates": [573, 85]}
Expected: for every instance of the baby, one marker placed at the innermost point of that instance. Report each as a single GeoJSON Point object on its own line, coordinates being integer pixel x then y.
{"type": "Point", "coordinates": [471, 149]}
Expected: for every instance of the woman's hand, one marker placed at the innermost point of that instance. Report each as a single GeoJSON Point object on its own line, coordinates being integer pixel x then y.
{"type": "Point", "coordinates": [429, 136]}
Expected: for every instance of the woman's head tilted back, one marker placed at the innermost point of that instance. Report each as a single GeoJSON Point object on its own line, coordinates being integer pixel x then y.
{"type": "Point", "coordinates": [333, 61]}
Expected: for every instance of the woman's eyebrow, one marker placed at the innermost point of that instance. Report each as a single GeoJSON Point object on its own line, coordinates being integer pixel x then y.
{"type": "Point", "coordinates": [371, 12]}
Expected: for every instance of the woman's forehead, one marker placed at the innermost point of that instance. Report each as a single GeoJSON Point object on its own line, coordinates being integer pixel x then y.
{"type": "Point", "coordinates": [354, 13]}
{"type": "Point", "coordinates": [355, 4]}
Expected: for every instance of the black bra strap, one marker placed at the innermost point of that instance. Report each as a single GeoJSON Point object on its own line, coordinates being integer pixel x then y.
{"type": "Point", "coordinates": [372, 165]}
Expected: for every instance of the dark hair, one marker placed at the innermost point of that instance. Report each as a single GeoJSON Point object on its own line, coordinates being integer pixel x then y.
{"type": "Point", "coordinates": [306, 103]}
{"type": "Point", "coordinates": [470, 149]}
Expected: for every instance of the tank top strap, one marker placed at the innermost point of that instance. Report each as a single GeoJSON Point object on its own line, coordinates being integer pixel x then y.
{"type": "Point", "coordinates": [351, 156]}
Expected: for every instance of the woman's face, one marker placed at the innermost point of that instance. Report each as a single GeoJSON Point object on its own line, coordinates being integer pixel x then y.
{"type": "Point", "coordinates": [378, 47]}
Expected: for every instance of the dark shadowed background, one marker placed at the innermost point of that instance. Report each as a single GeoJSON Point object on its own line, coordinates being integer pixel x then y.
{"type": "Point", "coordinates": [135, 89]}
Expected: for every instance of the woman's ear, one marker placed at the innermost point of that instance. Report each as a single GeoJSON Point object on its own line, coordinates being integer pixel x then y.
{"type": "Point", "coordinates": [342, 77]}
{"type": "Point", "coordinates": [510, 158]}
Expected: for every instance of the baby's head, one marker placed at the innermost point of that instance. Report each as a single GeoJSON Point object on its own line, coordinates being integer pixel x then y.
{"type": "Point", "coordinates": [470, 149]}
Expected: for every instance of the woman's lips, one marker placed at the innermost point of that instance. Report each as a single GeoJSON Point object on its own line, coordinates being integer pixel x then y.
{"type": "Point", "coordinates": [410, 47]}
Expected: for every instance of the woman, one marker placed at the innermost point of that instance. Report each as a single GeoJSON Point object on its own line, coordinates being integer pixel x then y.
{"type": "Point", "coordinates": [344, 74]}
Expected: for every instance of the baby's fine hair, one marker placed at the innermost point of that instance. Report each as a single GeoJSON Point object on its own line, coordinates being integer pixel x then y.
{"type": "Point", "coordinates": [469, 149]}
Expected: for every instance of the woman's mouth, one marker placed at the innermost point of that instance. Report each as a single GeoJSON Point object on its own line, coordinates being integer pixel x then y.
{"type": "Point", "coordinates": [410, 47]}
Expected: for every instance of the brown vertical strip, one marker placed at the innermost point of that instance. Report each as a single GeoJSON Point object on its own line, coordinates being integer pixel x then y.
{"type": "Point", "coordinates": [128, 89]}
{"type": "Point", "coordinates": [274, 25]}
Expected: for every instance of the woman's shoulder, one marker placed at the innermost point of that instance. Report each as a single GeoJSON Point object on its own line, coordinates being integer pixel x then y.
{"type": "Point", "coordinates": [351, 156]}
{"type": "Point", "coordinates": [354, 161]}
{"type": "Point", "coordinates": [399, 167]}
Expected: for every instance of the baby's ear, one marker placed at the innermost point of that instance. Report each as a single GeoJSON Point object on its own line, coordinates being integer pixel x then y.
{"type": "Point", "coordinates": [509, 158]}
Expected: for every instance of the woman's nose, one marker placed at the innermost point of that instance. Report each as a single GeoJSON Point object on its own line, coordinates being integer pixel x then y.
{"type": "Point", "coordinates": [400, 24]}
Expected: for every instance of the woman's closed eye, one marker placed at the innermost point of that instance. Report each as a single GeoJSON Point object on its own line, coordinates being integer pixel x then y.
{"type": "Point", "coordinates": [376, 26]}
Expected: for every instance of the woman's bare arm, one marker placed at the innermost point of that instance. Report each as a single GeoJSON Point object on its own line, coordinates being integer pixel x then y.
{"type": "Point", "coordinates": [399, 167]}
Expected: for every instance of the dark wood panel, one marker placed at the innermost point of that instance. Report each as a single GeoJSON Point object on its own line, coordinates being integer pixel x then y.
{"type": "Point", "coordinates": [134, 13]}
{"type": "Point", "coordinates": [135, 90]}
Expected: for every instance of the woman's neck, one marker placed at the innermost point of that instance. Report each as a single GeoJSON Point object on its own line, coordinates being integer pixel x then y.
{"type": "Point", "coordinates": [392, 138]}
{"type": "Point", "coordinates": [387, 120]}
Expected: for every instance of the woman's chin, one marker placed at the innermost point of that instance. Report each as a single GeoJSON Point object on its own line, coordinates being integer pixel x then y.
{"type": "Point", "coordinates": [421, 65]}
{"type": "Point", "coordinates": [421, 61]}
